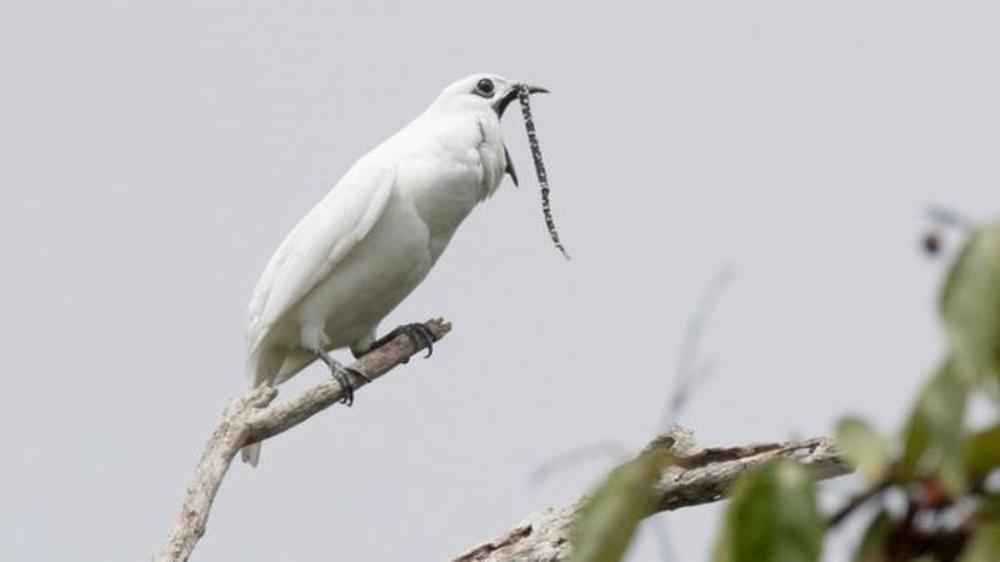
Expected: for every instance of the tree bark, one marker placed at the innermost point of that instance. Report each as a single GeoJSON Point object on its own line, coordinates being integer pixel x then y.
{"type": "Point", "coordinates": [252, 418]}
{"type": "Point", "coordinates": [699, 475]}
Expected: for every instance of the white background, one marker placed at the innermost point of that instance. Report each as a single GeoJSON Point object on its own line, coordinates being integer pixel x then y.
{"type": "Point", "coordinates": [152, 155]}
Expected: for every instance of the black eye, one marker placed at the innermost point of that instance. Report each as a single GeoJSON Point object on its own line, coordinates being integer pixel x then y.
{"type": "Point", "coordinates": [485, 87]}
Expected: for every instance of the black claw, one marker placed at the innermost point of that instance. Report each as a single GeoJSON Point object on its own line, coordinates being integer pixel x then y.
{"type": "Point", "coordinates": [419, 335]}
{"type": "Point", "coordinates": [343, 376]}
{"type": "Point", "coordinates": [345, 383]}
{"type": "Point", "coordinates": [428, 336]}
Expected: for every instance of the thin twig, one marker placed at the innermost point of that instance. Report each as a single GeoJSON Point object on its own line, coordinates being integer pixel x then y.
{"type": "Point", "coordinates": [688, 373]}
{"type": "Point", "coordinates": [947, 217]}
{"type": "Point", "coordinates": [605, 449]}
{"type": "Point", "coordinates": [858, 500]}
{"type": "Point", "coordinates": [689, 370]}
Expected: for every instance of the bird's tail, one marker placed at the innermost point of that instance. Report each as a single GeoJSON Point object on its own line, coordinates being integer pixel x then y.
{"type": "Point", "coordinates": [260, 370]}
{"type": "Point", "coordinates": [251, 454]}
{"type": "Point", "coordinates": [271, 368]}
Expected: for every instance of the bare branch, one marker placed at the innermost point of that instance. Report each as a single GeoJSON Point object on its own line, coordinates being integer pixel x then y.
{"type": "Point", "coordinates": [606, 449]}
{"type": "Point", "coordinates": [690, 368]}
{"type": "Point", "coordinates": [700, 475]}
{"type": "Point", "coordinates": [250, 419]}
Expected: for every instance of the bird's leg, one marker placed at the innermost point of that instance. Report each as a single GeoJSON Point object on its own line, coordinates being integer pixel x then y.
{"type": "Point", "coordinates": [419, 335]}
{"type": "Point", "coordinates": [343, 376]}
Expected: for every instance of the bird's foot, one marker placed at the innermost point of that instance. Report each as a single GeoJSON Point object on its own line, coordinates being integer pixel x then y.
{"type": "Point", "coordinates": [343, 375]}
{"type": "Point", "coordinates": [419, 335]}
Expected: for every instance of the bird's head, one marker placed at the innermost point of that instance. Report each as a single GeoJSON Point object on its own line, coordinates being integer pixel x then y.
{"type": "Point", "coordinates": [483, 92]}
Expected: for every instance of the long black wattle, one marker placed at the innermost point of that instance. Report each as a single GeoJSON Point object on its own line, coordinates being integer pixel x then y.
{"type": "Point", "coordinates": [509, 170]}
{"type": "Point", "coordinates": [501, 104]}
{"type": "Point", "coordinates": [543, 178]}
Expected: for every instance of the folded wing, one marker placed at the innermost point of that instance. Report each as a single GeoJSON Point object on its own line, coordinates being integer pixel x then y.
{"type": "Point", "coordinates": [318, 243]}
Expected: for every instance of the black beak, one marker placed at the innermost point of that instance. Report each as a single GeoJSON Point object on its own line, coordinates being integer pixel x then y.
{"type": "Point", "coordinates": [501, 104]}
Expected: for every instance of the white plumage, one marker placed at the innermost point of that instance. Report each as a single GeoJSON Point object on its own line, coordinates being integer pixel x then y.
{"type": "Point", "coordinates": [361, 250]}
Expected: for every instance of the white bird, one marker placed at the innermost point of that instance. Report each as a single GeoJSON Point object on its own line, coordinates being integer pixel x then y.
{"type": "Point", "coordinates": [370, 241]}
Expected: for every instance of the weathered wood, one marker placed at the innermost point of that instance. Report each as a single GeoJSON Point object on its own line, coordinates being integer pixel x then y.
{"type": "Point", "coordinates": [253, 418]}
{"type": "Point", "coordinates": [699, 475]}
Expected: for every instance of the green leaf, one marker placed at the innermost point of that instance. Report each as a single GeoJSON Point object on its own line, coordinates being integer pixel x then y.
{"type": "Point", "coordinates": [609, 518]}
{"type": "Point", "coordinates": [863, 446]}
{"type": "Point", "coordinates": [982, 453]}
{"type": "Point", "coordinates": [970, 305]}
{"type": "Point", "coordinates": [773, 517]}
{"type": "Point", "coordinates": [934, 445]}
{"type": "Point", "coordinates": [984, 545]}
{"type": "Point", "coordinates": [989, 508]}
{"type": "Point", "coordinates": [872, 546]}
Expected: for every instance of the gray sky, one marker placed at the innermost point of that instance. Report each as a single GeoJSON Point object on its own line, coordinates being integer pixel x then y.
{"type": "Point", "coordinates": [154, 154]}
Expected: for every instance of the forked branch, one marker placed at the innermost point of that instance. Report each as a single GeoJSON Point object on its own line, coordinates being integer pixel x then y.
{"type": "Point", "coordinates": [253, 418]}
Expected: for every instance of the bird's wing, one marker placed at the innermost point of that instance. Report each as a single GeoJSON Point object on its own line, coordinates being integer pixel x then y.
{"type": "Point", "coordinates": [318, 243]}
